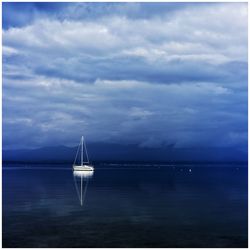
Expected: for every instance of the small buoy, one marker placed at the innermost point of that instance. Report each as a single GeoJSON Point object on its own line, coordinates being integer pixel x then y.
{"type": "Point", "coordinates": [190, 170]}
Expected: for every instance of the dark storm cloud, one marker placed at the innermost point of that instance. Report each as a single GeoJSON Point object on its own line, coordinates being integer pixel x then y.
{"type": "Point", "coordinates": [150, 74]}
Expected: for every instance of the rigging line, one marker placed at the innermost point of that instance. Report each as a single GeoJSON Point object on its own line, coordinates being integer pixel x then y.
{"type": "Point", "coordinates": [77, 152]}
{"type": "Point", "coordinates": [85, 150]}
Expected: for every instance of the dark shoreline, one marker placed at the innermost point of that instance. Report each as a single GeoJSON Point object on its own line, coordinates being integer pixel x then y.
{"type": "Point", "coordinates": [132, 163]}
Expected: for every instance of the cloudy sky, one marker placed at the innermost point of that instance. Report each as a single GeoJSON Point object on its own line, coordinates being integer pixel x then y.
{"type": "Point", "coordinates": [128, 73]}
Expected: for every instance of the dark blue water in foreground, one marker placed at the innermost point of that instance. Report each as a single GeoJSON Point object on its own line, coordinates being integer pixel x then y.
{"type": "Point", "coordinates": [142, 206]}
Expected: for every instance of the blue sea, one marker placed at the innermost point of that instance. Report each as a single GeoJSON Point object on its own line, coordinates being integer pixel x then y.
{"type": "Point", "coordinates": [125, 205]}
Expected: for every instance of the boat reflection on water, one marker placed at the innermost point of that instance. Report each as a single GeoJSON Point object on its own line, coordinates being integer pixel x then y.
{"type": "Point", "coordinates": [81, 179]}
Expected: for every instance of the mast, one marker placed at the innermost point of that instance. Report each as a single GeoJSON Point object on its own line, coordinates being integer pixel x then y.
{"type": "Point", "coordinates": [82, 153]}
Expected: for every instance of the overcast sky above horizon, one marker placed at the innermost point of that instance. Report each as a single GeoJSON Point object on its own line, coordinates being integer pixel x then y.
{"type": "Point", "coordinates": [150, 74]}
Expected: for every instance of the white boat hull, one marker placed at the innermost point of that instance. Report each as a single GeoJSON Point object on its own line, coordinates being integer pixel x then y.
{"type": "Point", "coordinates": [83, 174]}
{"type": "Point", "coordinates": [83, 168]}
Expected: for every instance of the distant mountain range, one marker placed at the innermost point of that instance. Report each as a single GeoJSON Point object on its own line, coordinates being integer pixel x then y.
{"type": "Point", "coordinates": [116, 152]}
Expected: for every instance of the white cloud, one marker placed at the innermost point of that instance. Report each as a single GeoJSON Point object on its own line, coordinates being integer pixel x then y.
{"type": "Point", "coordinates": [215, 30]}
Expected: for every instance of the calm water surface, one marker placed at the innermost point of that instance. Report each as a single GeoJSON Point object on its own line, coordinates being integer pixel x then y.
{"type": "Point", "coordinates": [159, 206]}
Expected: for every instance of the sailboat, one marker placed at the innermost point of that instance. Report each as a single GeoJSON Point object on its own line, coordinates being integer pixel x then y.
{"type": "Point", "coordinates": [85, 166]}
